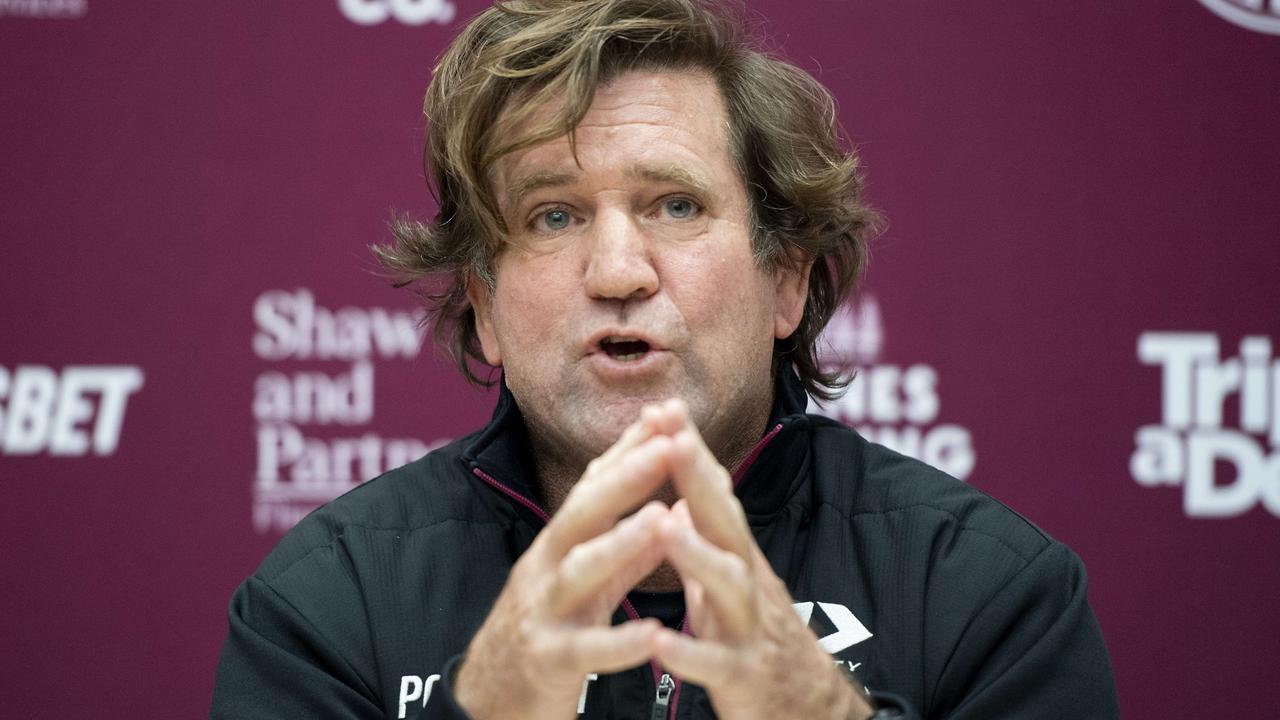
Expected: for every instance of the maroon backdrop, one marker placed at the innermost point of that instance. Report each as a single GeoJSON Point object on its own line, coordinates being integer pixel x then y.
{"type": "Point", "coordinates": [1074, 307]}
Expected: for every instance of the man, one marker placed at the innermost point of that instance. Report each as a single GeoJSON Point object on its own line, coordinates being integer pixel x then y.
{"type": "Point", "coordinates": [645, 224]}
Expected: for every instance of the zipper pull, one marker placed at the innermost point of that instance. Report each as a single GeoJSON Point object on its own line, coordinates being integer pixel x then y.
{"type": "Point", "coordinates": [663, 699]}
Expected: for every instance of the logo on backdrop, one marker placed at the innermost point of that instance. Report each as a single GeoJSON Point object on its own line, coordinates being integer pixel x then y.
{"type": "Point", "coordinates": [1258, 15]}
{"type": "Point", "coordinates": [895, 405]}
{"type": "Point", "coordinates": [50, 9]}
{"type": "Point", "coordinates": [409, 12]}
{"type": "Point", "coordinates": [76, 412]}
{"type": "Point", "coordinates": [310, 447]}
{"type": "Point", "coordinates": [1219, 431]}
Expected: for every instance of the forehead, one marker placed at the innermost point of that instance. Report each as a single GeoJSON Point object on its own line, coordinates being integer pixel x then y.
{"type": "Point", "coordinates": [641, 124]}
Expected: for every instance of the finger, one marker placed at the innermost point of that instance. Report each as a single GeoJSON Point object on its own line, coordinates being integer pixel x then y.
{"type": "Point", "coordinates": [669, 417]}
{"type": "Point", "coordinates": [725, 578]}
{"type": "Point", "coordinates": [637, 432]}
{"type": "Point", "coordinates": [602, 649]}
{"type": "Point", "coordinates": [704, 662]}
{"type": "Point", "coordinates": [700, 479]}
{"type": "Point", "coordinates": [609, 564]}
{"type": "Point", "coordinates": [766, 580]}
{"type": "Point", "coordinates": [606, 492]}
{"type": "Point", "coordinates": [701, 622]}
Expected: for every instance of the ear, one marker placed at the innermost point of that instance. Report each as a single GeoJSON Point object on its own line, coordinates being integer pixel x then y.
{"type": "Point", "coordinates": [790, 293]}
{"type": "Point", "coordinates": [482, 305]}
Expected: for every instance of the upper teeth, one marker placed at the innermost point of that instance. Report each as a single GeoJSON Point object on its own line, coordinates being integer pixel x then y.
{"type": "Point", "coordinates": [620, 339]}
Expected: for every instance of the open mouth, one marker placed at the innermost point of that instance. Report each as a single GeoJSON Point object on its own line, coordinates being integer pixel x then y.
{"type": "Point", "coordinates": [621, 347]}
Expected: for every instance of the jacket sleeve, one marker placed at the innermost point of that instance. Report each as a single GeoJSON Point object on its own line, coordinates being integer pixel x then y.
{"type": "Point", "coordinates": [276, 664]}
{"type": "Point", "coordinates": [443, 705]}
{"type": "Point", "coordinates": [1033, 650]}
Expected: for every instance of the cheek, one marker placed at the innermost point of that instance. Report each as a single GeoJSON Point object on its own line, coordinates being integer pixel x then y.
{"type": "Point", "coordinates": [528, 301]}
{"type": "Point", "coordinates": [726, 296]}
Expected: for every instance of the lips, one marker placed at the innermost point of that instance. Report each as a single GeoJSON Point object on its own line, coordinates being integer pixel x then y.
{"type": "Point", "coordinates": [622, 345]}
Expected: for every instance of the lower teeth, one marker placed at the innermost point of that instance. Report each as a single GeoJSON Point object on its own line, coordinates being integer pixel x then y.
{"type": "Point", "coordinates": [629, 356]}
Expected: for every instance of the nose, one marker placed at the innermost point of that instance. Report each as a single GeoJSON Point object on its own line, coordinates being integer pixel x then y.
{"type": "Point", "coordinates": [619, 265]}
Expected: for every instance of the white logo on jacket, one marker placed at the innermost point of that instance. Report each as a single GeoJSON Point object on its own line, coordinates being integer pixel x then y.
{"type": "Point", "coordinates": [414, 689]}
{"type": "Point", "coordinates": [849, 630]}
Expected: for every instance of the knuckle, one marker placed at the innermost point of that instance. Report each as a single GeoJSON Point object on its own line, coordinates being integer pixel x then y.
{"type": "Point", "coordinates": [571, 514]}
{"type": "Point", "coordinates": [529, 632]}
{"type": "Point", "coordinates": [564, 653]}
{"type": "Point", "coordinates": [737, 572]}
{"type": "Point", "coordinates": [571, 500]}
{"type": "Point", "coordinates": [731, 672]}
{"type": "Point", "coordinates": [544, 647]}
{"type": "Point", "coordinates": [578, 558]}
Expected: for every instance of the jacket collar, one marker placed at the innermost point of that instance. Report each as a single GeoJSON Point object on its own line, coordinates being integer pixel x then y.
{"type": "Point", "coordinates": [765, 482]}
{"type": "Point", "coordinates": [769, 476]}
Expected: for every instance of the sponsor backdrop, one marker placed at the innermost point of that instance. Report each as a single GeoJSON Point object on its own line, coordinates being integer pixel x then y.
{"type": "Point", "coordinates": [1073, 307]}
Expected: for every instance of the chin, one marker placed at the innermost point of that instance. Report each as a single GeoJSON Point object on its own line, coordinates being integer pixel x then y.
{"type": "Point", "coordinates": [611, 418]}
{"type": "Point", "coordinates": [600, 425]}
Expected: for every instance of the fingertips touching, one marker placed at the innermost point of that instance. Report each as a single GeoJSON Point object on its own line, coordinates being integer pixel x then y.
{"type": "Point", "coordinates": [651, 457]}
{"type": "Point", "coordinates": [651, 417]}
{"type": "Point", "coordinates": [645, 525]}
{"type": "Point", "coordinates": [677, 408]}
{"type": "Point", "coordinates": [634, 434]}
{"type": "Point", "coordinates": [684, 451]}
{"type": "Point", "coordinates": [671, 416]}
{"type": "Point", "coordinates": [643, 522]}
{"type": "Point", "coordinates": [676, 524]}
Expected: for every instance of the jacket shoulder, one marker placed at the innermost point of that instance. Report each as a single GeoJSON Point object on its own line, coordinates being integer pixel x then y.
{"type": "Point", "coordinates": [862, 478]}
{"type": "Point", "coordinates": [427, 491]}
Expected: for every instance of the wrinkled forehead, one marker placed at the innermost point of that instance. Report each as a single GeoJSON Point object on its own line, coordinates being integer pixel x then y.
{"type": "Point", "coordinates": [677, 108]}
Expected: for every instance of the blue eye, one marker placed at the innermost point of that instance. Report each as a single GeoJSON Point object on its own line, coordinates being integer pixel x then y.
{"type": "Point", "coordinates": [556, 219]}
{"type": "Point", "coordinates": [680, 208]}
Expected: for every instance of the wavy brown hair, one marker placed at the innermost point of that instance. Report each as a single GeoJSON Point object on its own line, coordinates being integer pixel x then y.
{"type": "Point", "coordinates": [804, 183]}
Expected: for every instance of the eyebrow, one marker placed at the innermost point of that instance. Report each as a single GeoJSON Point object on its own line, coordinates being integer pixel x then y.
{"type": "Point", "coordinates": [674, 174]}
{"type": "Point", "coordinates": [520, 189]}
{"type": "Point", "coordinates": [663, 174]}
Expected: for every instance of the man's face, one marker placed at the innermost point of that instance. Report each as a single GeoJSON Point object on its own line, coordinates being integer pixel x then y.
{"type": "Point", "coordinates": [630, 277]}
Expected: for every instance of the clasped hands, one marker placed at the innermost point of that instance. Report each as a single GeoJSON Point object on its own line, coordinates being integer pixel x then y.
{"type": "Point", "coordinates": [550, 626]}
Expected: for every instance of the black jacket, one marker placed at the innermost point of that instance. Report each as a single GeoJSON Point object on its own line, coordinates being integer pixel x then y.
{"type": "Point", "coordinates": [936, 594]}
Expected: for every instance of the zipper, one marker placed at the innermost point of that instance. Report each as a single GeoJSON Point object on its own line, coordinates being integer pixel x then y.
{"type": "Point", "coordinates": [662, 699]}
{"type": "Point", "coordinates": [750, 459]}
{"type": "Point", "coordinates": [532, 506]}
